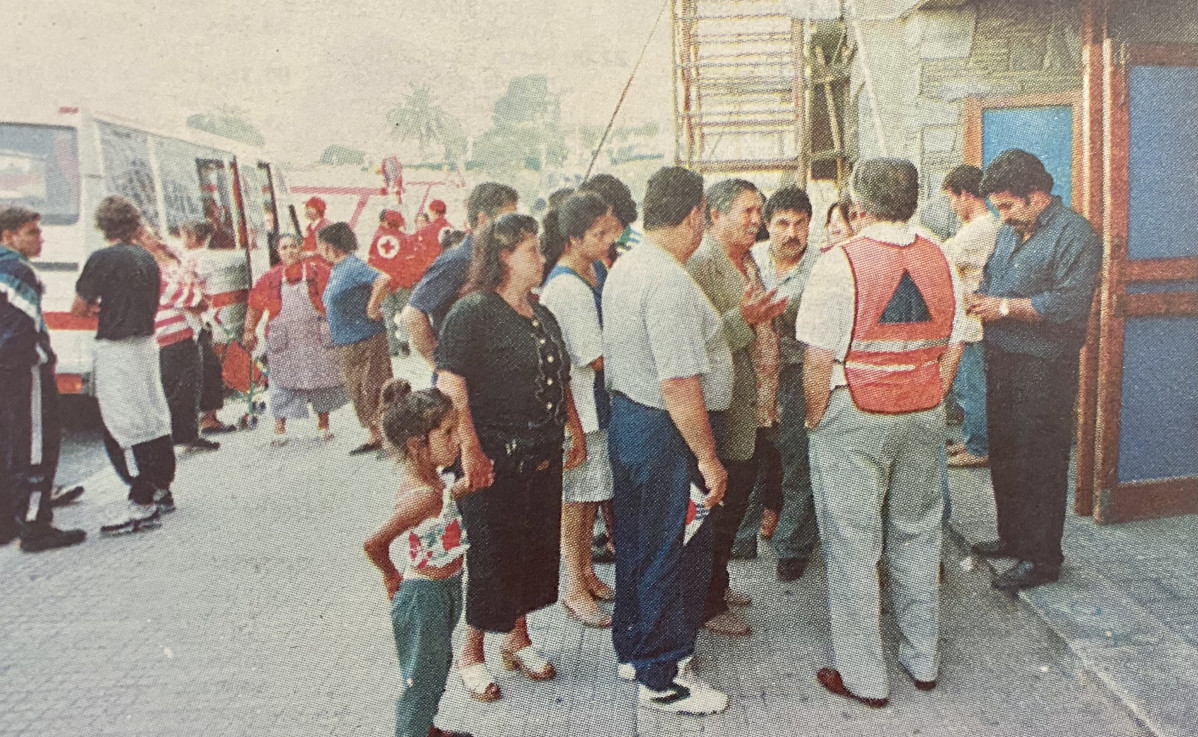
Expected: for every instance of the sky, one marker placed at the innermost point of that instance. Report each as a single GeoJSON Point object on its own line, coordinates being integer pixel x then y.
{"type": "Point", "coordinates": [311, 73]}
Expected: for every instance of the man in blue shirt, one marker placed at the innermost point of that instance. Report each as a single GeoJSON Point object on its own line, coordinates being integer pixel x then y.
{"type": "Point", "coordinates": [352, 301]}
{"type": "Point", "coordinates": [442, 284]}
{"type": "Point", "coordinates": [1034, 300]}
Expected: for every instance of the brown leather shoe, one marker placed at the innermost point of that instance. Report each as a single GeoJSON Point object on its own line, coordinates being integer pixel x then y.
{"type": "Point", "coordinates": [436, 732]}
{"type": "Point", "coordinates": [729, 623]}
{"type": "Point", "coordinates": [921, 685]}
{"type": "Point", "coordinates": [830, 679]}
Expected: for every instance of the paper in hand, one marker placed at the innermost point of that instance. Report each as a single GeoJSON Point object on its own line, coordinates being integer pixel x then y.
{"type": "Point", "coordinates": [696, 512]}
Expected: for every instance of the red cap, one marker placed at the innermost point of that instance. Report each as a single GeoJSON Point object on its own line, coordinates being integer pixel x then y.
{"type": "Point", "coordinates": [437, 207]}
{"type": "Point", "coordinates": [316, 204]}
{"type": "Point", "coordinates": [393, 218]}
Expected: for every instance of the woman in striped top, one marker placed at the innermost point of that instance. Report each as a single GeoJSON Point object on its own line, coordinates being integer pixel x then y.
{"type": "Point", "coordinates": [178, 352]}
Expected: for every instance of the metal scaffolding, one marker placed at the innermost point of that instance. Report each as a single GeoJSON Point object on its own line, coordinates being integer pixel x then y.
{"type": "Point", "coordinates": [744, 76]}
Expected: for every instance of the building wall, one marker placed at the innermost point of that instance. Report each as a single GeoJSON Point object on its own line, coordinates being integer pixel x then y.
{"type": "Point", "coordinates": [1154, 21]}
{"type": "Point", "coordinates": [922, 67]}
{"type": "Point", "coordinates": [912, 72]}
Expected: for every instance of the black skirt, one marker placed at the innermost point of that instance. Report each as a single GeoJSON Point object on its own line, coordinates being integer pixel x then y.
{"type": "Point", "coordinates": [514, 528]}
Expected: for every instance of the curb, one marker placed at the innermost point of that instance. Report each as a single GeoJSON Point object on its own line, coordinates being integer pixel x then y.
{"type": "Point", "coordinates": [1141, 663]}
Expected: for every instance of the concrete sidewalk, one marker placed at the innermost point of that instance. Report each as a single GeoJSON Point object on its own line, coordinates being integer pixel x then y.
{"type": "Point", "coordinates": [1126, 604]}
{"type": "Point", "coordinates": [253, 611]}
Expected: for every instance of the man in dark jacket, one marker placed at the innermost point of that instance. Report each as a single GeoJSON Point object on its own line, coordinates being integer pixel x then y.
{"type": "Point", "coordinates": [30, 426]}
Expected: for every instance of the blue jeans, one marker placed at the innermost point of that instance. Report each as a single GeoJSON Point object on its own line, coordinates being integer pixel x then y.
{"type": "Point", "coordinates": [423, 616]}
{"type": "Point", "coordinates": [661, 583]}
{"type": "Point", "coordinates": [969, 389]}
{"type": "Point", "coordinates": [797, 531]}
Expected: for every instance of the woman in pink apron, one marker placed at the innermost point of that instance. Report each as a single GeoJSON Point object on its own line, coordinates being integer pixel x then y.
{"type": "Point", "coordinates": [299, 350]}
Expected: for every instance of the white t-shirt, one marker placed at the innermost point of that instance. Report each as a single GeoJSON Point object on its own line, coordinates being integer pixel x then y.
{"type": "Point", "coordinates": [572, 302]}
{"type": "Point", "coordinates": [829, 306]}
{"type": "Point", "coordinates": [968, 252]}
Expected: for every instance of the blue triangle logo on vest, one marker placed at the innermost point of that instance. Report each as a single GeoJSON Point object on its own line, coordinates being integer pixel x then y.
{"type": "Point", "coordinates": [906, 305]}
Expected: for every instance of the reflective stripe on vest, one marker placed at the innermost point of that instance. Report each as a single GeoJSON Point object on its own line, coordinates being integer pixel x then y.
{"type": "Point", "coordinates": [894, 367]}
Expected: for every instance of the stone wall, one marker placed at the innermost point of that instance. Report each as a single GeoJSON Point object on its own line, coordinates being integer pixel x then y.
{"type": "Point", "coordinates": [989, 47]}
{"type": "Point", "coordinates": [1016, 48]}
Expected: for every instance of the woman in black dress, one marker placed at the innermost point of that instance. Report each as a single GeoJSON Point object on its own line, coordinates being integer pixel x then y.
{"type": "Point", "coordinates": [501, 358]}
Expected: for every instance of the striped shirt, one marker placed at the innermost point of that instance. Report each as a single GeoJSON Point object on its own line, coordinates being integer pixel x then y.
{"type": "Point", "coordinates": [178, 293]}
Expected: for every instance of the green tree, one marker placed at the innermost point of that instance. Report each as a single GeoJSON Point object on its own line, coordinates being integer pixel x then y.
{"type": "Point", "coordinates": [228, 122]}
{"type": "Point", "coordinates": [526, 132]}
{"type": "Point", "coordinates": [419, 118]}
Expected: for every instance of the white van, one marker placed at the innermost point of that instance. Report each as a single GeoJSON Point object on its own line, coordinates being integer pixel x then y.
{"type": "Point", "coordinates": [63, 163]}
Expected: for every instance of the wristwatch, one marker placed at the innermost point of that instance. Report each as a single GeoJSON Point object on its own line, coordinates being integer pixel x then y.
{"type": "Point", "coordinates": [1004, 307]}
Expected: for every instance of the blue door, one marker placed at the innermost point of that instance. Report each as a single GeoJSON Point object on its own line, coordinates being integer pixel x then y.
{"type": "Point", "coordinates": [1046, 131]}
{"type": "Point", "coordinates": [1148, 367]}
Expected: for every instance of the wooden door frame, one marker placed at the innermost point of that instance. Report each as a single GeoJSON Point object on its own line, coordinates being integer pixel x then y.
{"type": "Point", "coordinates": [1094, 34]}
{"type": "Point", "coordinates": [1117, 501]}
{"type": "Point", "coordinates": [975, 107]}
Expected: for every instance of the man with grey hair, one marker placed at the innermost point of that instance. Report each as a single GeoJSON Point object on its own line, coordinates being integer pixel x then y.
{"type": "Point", "coordinates": [882, 319]}
{"type": "Point", "coordinates": [724, 269]}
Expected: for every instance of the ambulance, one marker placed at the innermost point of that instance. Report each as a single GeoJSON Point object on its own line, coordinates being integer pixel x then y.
{"type": "Point", "coordinates": [62, 162]}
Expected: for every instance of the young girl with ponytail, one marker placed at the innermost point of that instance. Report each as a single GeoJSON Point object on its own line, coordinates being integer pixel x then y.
{"type": "Point", "coordinates": [420, 428]}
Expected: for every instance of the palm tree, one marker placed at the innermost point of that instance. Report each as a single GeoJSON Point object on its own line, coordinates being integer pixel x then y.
{"type": "Point", "coordinates": [418, 117]}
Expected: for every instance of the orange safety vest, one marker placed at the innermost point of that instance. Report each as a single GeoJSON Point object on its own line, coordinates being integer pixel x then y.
{"type": "Point", "coordinates": [904, 317]}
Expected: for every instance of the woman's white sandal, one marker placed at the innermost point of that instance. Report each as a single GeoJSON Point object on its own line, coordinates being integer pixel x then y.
{"type": "Point", "coordinates": [479, 682]}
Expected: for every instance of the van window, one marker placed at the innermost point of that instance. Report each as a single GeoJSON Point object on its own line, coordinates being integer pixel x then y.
{"type": "Point", "coordinates": [180, 181]}
{"type": "Point", "coordinates": [127, 170]}
{"type": "Point", "coordinates": [217, 197]}
{"type": "Point", "coordinates": [39, 169]}
{"type": "Point", "coordinates": [255, 195]}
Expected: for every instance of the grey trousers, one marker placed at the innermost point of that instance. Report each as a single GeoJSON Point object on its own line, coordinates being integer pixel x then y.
{"type": "Point", "coordinates": [797, 534]}
{"type": "Point", "coordinates": [878, 477]}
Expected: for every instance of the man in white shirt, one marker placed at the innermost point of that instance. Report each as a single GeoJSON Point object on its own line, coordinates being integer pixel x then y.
{"type": "Point", "coordinates": [882, 318]}
{"type": "Point", "coordinates": [968, 252]}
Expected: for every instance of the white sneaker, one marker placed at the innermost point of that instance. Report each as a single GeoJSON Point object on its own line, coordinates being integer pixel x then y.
{"type": "Point", "coordinates": [627, 671]}
{"type": "Point", "coordinates": [682, 699]}
{"type": "Point", "coordinates": [688, 677]}
{"type": "Point", "coordinates": [133, 518]}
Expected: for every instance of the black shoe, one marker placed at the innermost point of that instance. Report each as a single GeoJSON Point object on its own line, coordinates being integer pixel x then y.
{"type": "Point", "coordinates": [39, 537]}
{"type": "Point", "coordinates": [164, 501]}
{"type": "Point", "coordinates": [200, 445]}
{"type": "Point", "coordinates": [61, 496]}
{"type": "Point", "coordinates": [365, 448]}
{"type": "Point", "coordinates": [1025, 575]}
{"type": "Point", "coordinates": [992, 549]}
{"type": "Point", "coordinates": [8, 533]}
{"type": "Point", "coordinates": [791, 569]}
